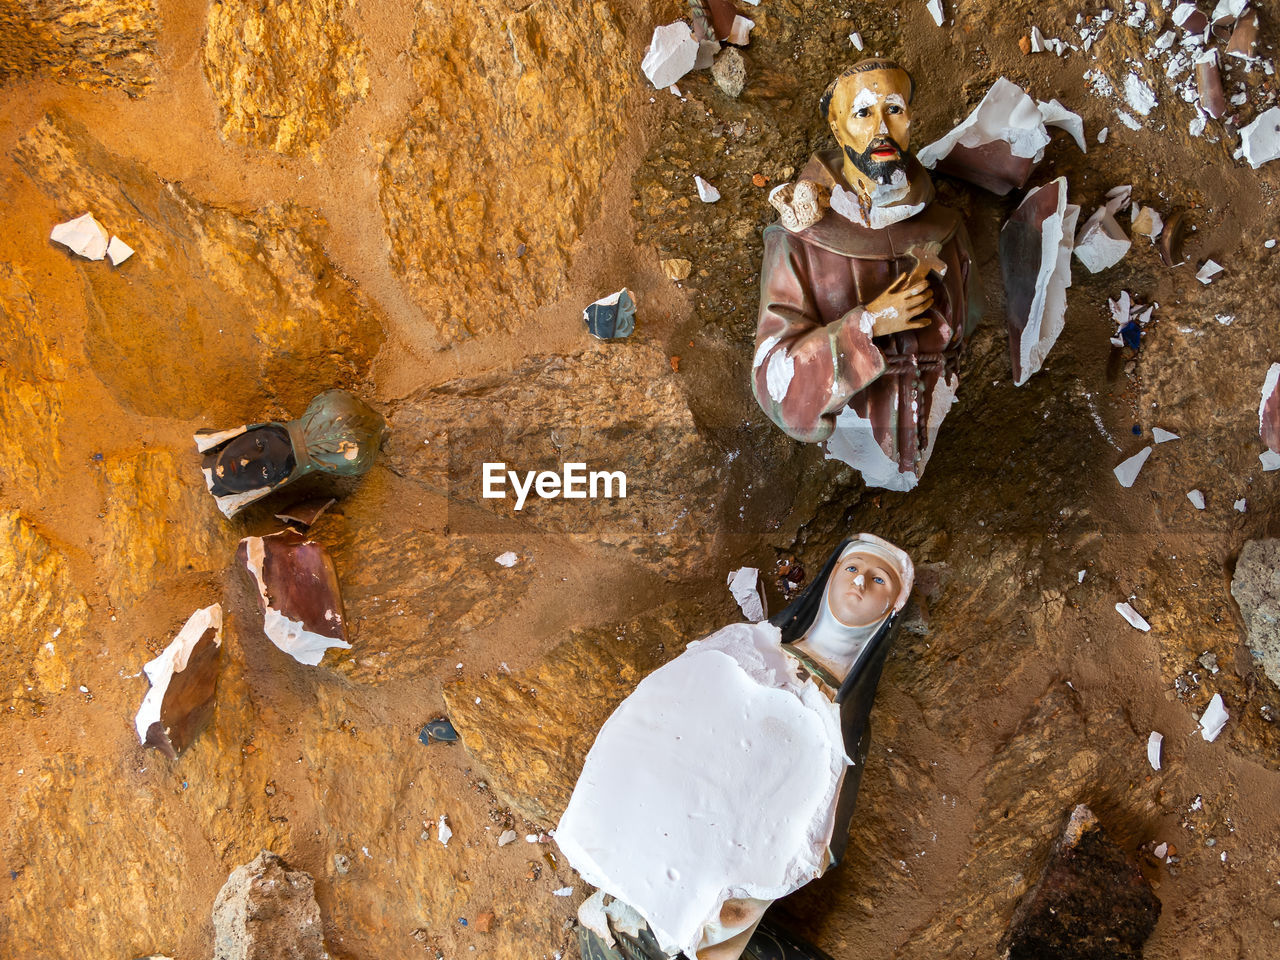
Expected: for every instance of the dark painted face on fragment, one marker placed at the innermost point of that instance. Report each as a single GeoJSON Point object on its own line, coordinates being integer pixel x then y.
{"type": "Point", "coordinates": [258, 458]}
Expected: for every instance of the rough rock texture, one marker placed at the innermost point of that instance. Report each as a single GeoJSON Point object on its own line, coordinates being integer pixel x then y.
{"type": "Point", "coordinates": [1090, 903]}
{"type": "Point", "coordinates": [531, 731]}
{"type": "Point", "coordinates": [522, 106]}
{"type": "Point", "coordinates": [96, 43]}
{"type": "Point", "coordinates": [284, 73]}
{"type": "Point", "coordinates": [588, 408]}
{"type": "Point", "coordinates": [255, 286]}
{"type": "Point", "coordinates": [31, 409]}
{"type": "Point", "coordinates": [44, 616]}
{"type": "Point", "coordinates": [1256, 588]}
{"type": "Point", "coordinates": [267, 912]}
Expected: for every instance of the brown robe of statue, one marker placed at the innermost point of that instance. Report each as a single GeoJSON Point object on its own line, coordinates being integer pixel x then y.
{"type": "Point", "coordinates": [813, 358]}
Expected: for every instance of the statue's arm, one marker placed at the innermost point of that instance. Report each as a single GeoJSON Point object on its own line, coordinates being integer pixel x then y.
{"type": "Point", "coordinates": [804, 371]}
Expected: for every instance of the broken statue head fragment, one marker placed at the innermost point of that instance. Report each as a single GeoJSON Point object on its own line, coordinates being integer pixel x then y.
{"type": "Point", "coordinates": [183, 679]}
{"type": "Point", "coordinates": [864, 306]}
{"type": "Point", "coordinates": [298, 591]}
{"type": "Point", "coordinates": [337, 435]}
{"type": "Point", "coordinates": [667, 815]}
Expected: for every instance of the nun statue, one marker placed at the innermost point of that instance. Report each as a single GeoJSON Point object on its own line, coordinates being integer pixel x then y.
{"type": "Point", "coordinates": [338, 434]}
{"type": "Point", "coordinates": [727, 779]}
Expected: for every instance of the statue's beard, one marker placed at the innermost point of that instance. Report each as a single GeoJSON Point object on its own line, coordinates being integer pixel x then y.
{"type": "Point", "coordinates": [880, 171]}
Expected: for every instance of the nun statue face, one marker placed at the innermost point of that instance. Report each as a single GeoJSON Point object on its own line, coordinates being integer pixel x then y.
{"type": "Point", "coordinates": [862, 589]}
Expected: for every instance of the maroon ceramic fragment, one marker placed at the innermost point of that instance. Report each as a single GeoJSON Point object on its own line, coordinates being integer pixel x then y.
{"type": "Point", "coordinates": [298, 592]}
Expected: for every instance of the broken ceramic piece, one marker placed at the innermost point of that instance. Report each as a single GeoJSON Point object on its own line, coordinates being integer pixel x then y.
{"type": "Point", "coordinates": [1241, 505]}
{"type": "Point", "coordinates": [440, 730]}
{"type": "Point", "coordinates": [444, 833]}
{"type": "Point", "coordinates": [740, 32]}
{"type": "Point", "coordinates": [1118, 198]}
{"type": "Point", "coordinates": [1196, 498]}
{"type": "Point", "coordinates": [706, 192]}
{"type": "Point", "coordinates": [338, 435]}
{"type": "Point", "coordinates": [1160, 435]}
{"type": "Point", "coordinates": [298, 592]}
{"type": "Point", "coordinates": [677, 269]}
{"type": "Point", "coordinates": [612, 317]}
{"type": "Point", "coordinates": [183, 681]}
{"type": "Point", "coordinates": [720, 15]}
{"type": "Point", "coordinates": [800, 205]}
{"type": "Point", "coordinates": [507, 559]}
{"type": "Point", "coordinates": [1146, 222]}
{"type": "Point", "coordinates": [305, 513]}
{"type": "Point", "coordinates": [998, 144]}
{"type": "Point", "coordinates": [1213, 719]}
{"type": "Point", "coordinates": [1154, 743]}
{"type": "Point", "coordinates": [1135, 619]}
{"type": "Point", "coordinates": [1208, 271]}
{"type": "Point", "coordinates": [1055, 114]}
{"type": "Point", "coordinates": [1035, 262]}
{"type": "Point", "coordinates": [1170, 243]}
{"type": "Point", "coordinates": [118, 251]}
{"type": "Point", "coordinates": [1190, 18]}
{"type": "Point", "coordinates": [671, 54]}
{"type": "Point", "coordinates": [1260, 140]}
{"type": "Point", "coordinates": [1269, 418]}
{"type": "Point", "coordinates": [1244, 36]}
{"type": "Point", "coordinates": [856, 39]}
{"type": "Point", "coordinates": [748, 591]}
{"type": "Point", "coordinates": [1091, 901]}
{"type": "Point", "coordinates": [1102, 242]}
{"type": "Point", "coordinates": [1128, 471]}
{"type": "Point", "coordinates": [935, 11]}
{"type": "Point", "coordinates": [84, 236]}
{"type": "Point", "coordinates": [1209, 84]}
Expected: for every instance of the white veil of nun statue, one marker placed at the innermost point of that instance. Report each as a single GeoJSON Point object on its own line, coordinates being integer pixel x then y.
{"type": "Point", "coordinates": [728, 778]}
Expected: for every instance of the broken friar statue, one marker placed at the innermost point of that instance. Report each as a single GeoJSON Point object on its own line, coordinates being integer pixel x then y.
{"type": "Point", "coordinates": [337, 434]}
{"type": "Point", "coordinates": [867, 290]}
{"type": "Point", "coordinates": [728, 778]}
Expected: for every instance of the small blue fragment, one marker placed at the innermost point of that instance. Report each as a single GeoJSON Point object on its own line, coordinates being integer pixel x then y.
{"type": "Point", "coordinates": [438, 731]}
{"type": "Point", "coordinates": [1131, 334]}
{"type": "Point", "coordinates": [184, 784]}
{"type": "Point", "coordinates": [97, 458]}
{"type": "Point", "coordinates": [1137, 430]}
{"type": "Point", "coordinates": [463, 921]}
{"type": "Point", "coordinates": [613, 317]}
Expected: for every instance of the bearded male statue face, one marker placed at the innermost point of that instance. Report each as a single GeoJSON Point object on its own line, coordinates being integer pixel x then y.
{"type": "Point", "coordinates": [868, 109]}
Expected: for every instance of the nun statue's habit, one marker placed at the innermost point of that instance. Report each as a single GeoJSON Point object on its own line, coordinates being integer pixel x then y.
{"type": "Point", "coordinates": [338, 434]}
{"type": "Point", "coordinates": [728, 778]}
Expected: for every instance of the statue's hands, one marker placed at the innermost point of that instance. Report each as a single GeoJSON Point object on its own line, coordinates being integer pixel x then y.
{"type": "Point", "coordinates": [901, 307]}
{"type": "Point", "coordinates": [800, 205]}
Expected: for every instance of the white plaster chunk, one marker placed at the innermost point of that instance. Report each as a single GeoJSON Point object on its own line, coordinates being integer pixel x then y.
{"type": "Point", "coordinates": [740, 30]}
{"type": "Point", "coordinates": [1160, 435]}
{"type": "Point", "coordinates": [118, 251]}
{"type": "Point", "coordinates": [443, 833]}
{"type": "Point", "coordinates": [289, 635]}
{"type": "Point", "coordinates": [856, 39]}
{"type": "Point", "coordinates": [747, 590]}
{"type": "Point", "coordinates": [1038, 43]}
{"type": "Point", "coordinates": [1213, 719]}
{"type": "Point", "coordinates": [1102, 242]}
{"type": "Point", "coordinates": [592, 916]}
{"type": "Point", "coordinates": [1118, 198]}
{"type": "Point", "coordinates": [1128, 471]}
{"type": "Point", "coordinates": [1196, 498]}
{"type": "Point", "coordinates": [685, 799]}
{"type": "Point", "coordinates": [1153, 749]}
{"type": "Point", "coordinates": [778, 375]}
{"type": "Point", "coordinates": [507, 559]}
{"type": "Point", "coordinates": [1210, 270]}
{"type": "Point", "coordinates": [508, 836]}
{"type": "Point", "coordinates": [1055, 114]}
{"type": "Point", "coordinates": [1260, 140]}
{"type": "Point", "coordinates": [84, 236]}
{"type": "Point", "coordinates": [1006, 113]}
{"type": "Point", "coordinates": [936, 11]}
{"type": "Point", "coordinates": [706, 192]}
{"type": "Point", "coordinates": [562, 892]}
{"type": "Point", "coordinates": [1128, 120]}
{"type": "Point", "coordinates": [1134, 618]}
{"type": "Point", "coordinates": [671, 54]}
{"type": "Point", "coordinates": [173, 659]}
{"type": "Point", "coordinates": [1140, 97]}
{"type": "Point", "coordinates": [1241, 505]}
{"type": "Point", "coordinates": [1160, 851]}
{"type": "Point", "coordinates": [1103, 133]}
{"type": "Point", "coordinates": [1228, 10]}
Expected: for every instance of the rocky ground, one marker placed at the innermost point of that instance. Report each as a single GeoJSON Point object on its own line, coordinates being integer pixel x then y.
{"type": "Point", "coordinates": [415, 202]}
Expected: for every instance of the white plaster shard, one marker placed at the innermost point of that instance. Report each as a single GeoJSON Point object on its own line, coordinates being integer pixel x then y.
{"type": "Point", "coordinates": [856, 39]}
{"type": "Point", "coordinates": [1128, 471]}
{"type": "Point", "coordinates": [1260, 140]}
{"type": "Point", "coordinates": [1241, 505]}
{"type": "Point", "coordinates": [592, 916]}
{"type": "Point", "coordinates": [84, 236]}
{"type": "Point", "coordinates": [1153, 749]}
{"type": "Point", "coordinates": [1207, 272]}
{"type": "Point", "coordinates": [1196, 498]}
{"type": "Point", "coordinates": [748, 591]}
{"type": "Point", "coordinates": [507, 559]}
{"type": "Point", "coordinates": [1102, 242]}
{"type": "Point", "coordinates": [1160, 435]}
{"type": "Point", "coordinates": [936, 11]}
{"type": "Point", "coordinates": [508, 836]}
{"type": "Point", "coordinates": [778, 375]}
{"type": "Point", "coordinates": [1005, 114]}
{"type": "Point", "coordinates": [700, 736]}
{"type": "Point", "coordinates": [1213, 719]}
{"type": "Point", "coordinates": [1038, 43]}
{"type": "Point", "coordinates": [671, 54]}
{"type": "Point", "coordinates": [1049, 304]}
{"type": "Point", "coordinates": [706, 192]}
{"type": "Point", "coordinates": [118, 251]}
{"type": "Point", "coordinates": [1134, 618]}
{"type": "Point", "coordinates": [562, 892]}
{"type": "Point", "coordinates": [1055, 114]}
{"type": "Point", "coordinates": [1140, 97]}
{"type": "Point", "coordinates": [173, 659]}
{"type": "Point", "coordinates": [1103, 133]}
{"type": "Point", "coordinates": [1118, 198]}
{"type": "Point", "coordinates": [740, 30]}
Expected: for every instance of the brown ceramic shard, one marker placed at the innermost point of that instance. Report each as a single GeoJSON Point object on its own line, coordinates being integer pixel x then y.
{"type": "Point", "coordinates": [1269, 418]}
{"type": "Point", "coordinates": [723, 13]}
{"type": "Point", "coordinates": [1170, 244]}
{"type": "Point", "coordinates": [991, 166]}
{"type": "Point", "coordinates": [1194, 21]}
{"type": "Point", "coordinates": [1209, 84]}
{"type": "Point", "coordinates": [183, 681]}
{"type": "Point", "coordinates": [306, 512]}
{"type": "Point", "coordinates": [1036, 282]}
{"type": "Point", "coordinates": [1090, 903]}
{"type": "Point", "coordinates": [299, 594]}
{"type": "Point", "coordinates": [1244, 38]}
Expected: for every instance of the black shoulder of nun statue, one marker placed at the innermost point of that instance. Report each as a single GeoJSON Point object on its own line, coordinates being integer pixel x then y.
{"type": "Point", "coordinates": [841, 629]}
{"type": "Point", "coordinates": [727, 778]}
